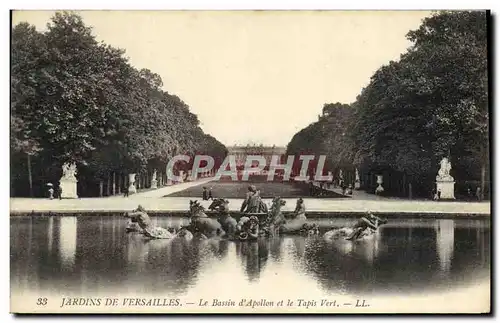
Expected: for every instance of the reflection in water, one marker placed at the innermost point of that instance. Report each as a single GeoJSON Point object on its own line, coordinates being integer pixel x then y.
{"type": "Point", "coordinates": [67, 240]}
{"type": "Point", "coordinates": [250, 259]}
{"type": "Point", "coordinates": [50, 234]}
{"type": "Point", "coordinates": [445, 238]}
{"type": "Point", "coordinates": [275, 248]}
{"type": "Point", "coordinates": [300, 246]}
{"type": "Point", "coordinates": [94, 255]}
{"type": "Point", "coordinates": [366, 249]}
{"type": "Point", "coordinates": [137, 252]}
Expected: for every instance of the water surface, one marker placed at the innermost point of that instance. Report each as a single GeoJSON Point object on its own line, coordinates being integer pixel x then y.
{"type": "Point", "coordinates": [93, 255]}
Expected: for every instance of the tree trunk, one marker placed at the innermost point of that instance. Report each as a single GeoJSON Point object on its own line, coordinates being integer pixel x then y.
{"type": "Point", "coordinates": [410, 191]}
{"type": "Point", "coordinates": [119, 184]}
{"type": "Point", "coordinates": [101, 187]}
{"type": "Point", "coordinates": [114, 185]}
{"type": "Point", "coordinates": [483, 179]}
{"type": "Point", "coordinates": [108, 186]}
{"type": "Point", "coordinates": [30, 179]}
{"type": "Point", "coordinates": [484, 156]}
{"type": "Point", "coordinates": [403, 186]}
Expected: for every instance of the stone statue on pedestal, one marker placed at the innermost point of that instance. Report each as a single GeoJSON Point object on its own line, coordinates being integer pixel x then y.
{"type": "Point", "coordinates": [69, 172]}
{"type": "Point", "coordinates": [445, 183]}
{"type": "Point", "coordinates": [68, 181]}
{"type": "Point", "coordinates": [444, 171]}
{"type": "Point", "coordinates": [154, 182]}
{"type": "Point", "coordinates": [357, 182]}
{"type": "Point", "coordinates": [380, 181]}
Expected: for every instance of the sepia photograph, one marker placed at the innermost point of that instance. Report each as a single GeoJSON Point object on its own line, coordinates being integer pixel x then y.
{"type": "Point", "coordinates": [250, 161]}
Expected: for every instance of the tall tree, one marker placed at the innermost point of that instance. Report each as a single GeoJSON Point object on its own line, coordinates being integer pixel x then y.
{"type": "Point", "coordinates": [77, 100]}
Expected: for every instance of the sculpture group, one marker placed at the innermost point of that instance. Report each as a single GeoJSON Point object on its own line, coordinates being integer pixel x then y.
{"type": "Point", "coordinates": [250, 226]}
{"type": "Point", "coordinates": [68, 181]}
{"type": "Point", "coordinates": [445, 183]}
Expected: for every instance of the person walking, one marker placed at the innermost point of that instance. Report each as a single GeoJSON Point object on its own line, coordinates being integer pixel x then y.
{"type": "Point", "coordinates": [343, 186]}
{"type": "Point", "coordinates": [51, 193]}
{"type": "Point", "coordinates": [311, 189]}
{"type": "Point", "coordinates": [434, 194]}
{"type": "Point", "coordinates": [478, 194]}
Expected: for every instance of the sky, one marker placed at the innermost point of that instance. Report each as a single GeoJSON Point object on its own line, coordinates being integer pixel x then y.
{"type": "Point", "coordinates": [254, 76]}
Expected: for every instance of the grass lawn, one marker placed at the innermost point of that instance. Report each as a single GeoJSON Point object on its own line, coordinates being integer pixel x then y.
{"type": "Point", "coordinates": [237, 189]}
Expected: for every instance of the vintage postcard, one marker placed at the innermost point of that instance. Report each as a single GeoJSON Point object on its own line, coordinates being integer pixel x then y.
{"type": "Point", "coordinates": [250, 162]}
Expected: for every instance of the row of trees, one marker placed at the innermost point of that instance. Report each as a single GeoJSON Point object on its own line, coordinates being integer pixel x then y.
{"type": "Point", "coordinates": [74, 99]}
{"type": "Point", "coordinates": [432, 103]}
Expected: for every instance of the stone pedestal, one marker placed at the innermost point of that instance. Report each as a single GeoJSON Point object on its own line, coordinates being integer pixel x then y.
{"type": "Point", "coordinates": [379, 188]}
{"type": "Point", "coordinates": [68, 189]}
{"type": "Point", "coordinates": [68, 181]}
{"type": "Point", "coordinates": [181, 176]}
{"type": "Point", "coordinates": [131, 187]}
{"type": "Point", "coordinates": [169, 182]}
{"type": "Point", "coordinates": [189, 176]}
{"type": "Point", "coordinates": [447, 189]}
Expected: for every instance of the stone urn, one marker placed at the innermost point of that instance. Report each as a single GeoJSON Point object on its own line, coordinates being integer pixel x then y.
{"type": "Point", "coordinates": [131, 187]}
{"type": "Point", "coordinates": [154, 181]}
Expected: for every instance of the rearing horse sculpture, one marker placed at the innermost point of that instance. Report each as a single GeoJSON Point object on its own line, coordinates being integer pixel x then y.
{"type": "Point", "coordinates": [201, 223]}
{"type": "Point", "coordinates": [225, 219]}
{"type": "Point", "coordinates": [275, 217]}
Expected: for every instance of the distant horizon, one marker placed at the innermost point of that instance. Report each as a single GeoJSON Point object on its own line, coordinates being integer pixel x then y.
{"type": "Point", "coordinates": [254, 76]}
